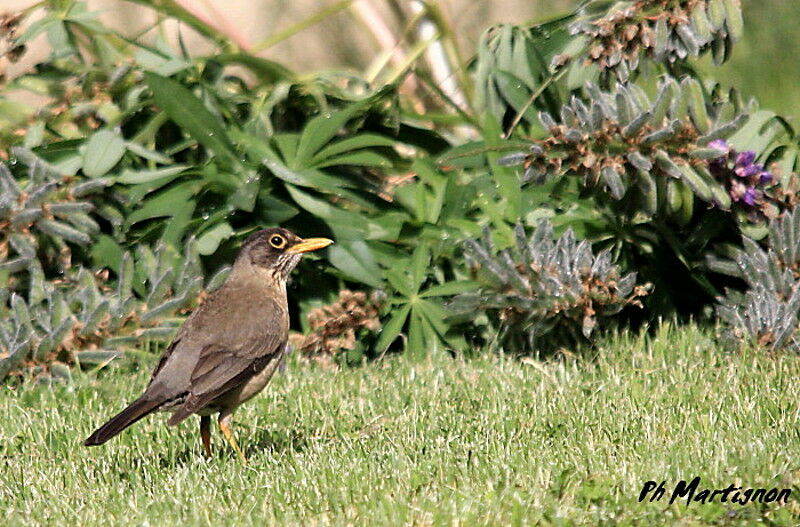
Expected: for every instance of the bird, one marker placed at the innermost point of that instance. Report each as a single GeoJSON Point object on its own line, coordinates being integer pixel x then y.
{"type": "Point", "coordinates": [229, 347]}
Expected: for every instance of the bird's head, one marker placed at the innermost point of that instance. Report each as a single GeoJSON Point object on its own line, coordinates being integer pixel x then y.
{"type": "Point", "coordinates": [278, 251]}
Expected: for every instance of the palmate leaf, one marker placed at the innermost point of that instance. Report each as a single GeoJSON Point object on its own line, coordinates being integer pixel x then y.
{"type": "Point", "coordinates": [44, 221]}
{"type": "Point", "coordinates": [169, 202]}
{"type": "Point", "coordinates": [392, 329]}
{"type": "Point", "coordinates": [351, 144]}
{"type": "Point", "coordinates": [190, 114]}
{"type": "Point", "coordinates": [513, 64]}
{"type": "Point", "coordinates": [323, 128]}
{"type": "Point", "coordinates": [287, 169]}
{"type": "Point", "coordinates": [355, 260]}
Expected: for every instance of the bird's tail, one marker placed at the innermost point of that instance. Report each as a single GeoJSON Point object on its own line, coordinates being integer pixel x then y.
{"type": "Point", "coordinates": [138, 409]}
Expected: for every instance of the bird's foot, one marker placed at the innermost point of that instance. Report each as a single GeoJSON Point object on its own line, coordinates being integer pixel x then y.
{"type": "Point", "coordinates": [224, 427]}
{"type": "Point", "coordinates": [205, 434]}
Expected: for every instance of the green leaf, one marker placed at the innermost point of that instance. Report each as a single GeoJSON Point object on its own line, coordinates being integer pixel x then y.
{"type": "Point", "coordinates": [103, 151]}
{"type": "Point", "coordinates": [160, 63]}
{"type": "Point", "coordinates": [188, 112]}
{"type": "Point", "coordinates": [209, 241]}
{"type": "Point", "coordinates": [399, 280]}
{"type": "Point", "coordinates": [273, 210]}
{"type": "Point", "coordinates": [317, 207]}
{"type": "Point", "coordinates": [347, 225]}
{"type": "Point", "coordinates": [470, 155]}
{"type": "Point", "coordinates": [176, 227]}
{"type": "Point", "coordinates": [506, 177]}
{"type": "Point", "coordinates": [429, 205]}
{"type": "Point", "coordinates": [319, 131]}
{"type": "Point", "coordinates": [166, 203]}
{"type": "Point", "coordinates": [450, 288]}
{"type": "Point", "coordinates": [392, 329]}
{"type": "Point", "coordinates": [146, 153]}
{"type": "Point", "coordinates": [416, 338]}
{"type": "Point", "coordinates": [106, 252]}
{"type": "Point", "coordinates": [434, 314]}
{"type": "Point", "coordinates": [755, 134]}
{"type": "Point", "coordinates": [366, 158]}
{"type": "Point", "coordinates": [244, 197]}
{"type": "Point", "coordinates": [358, 142]}
{"type": "Point", "coordinates": [261, 153]}
{"type": "Point", "coordinates": [355, 260]}
{"type": "Point", "coordinates": [516, 94]}
{"type": "Point", "coordinates": [145, 176]}
{"type": "Point", "coordinates": [37, 27]}
{"type": "Point", "coordinates": [419, 265]}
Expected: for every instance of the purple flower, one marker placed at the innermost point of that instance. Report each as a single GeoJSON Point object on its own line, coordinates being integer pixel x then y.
{"type": "Point", "coordinates": [750, 196]}
{"type": "Point", "coordinates": [748, 171]}
{"type": "Point", "coordinates": [741, 174]}
{"type": "Point", "coordinates": [720, 144]}
{"type": "Point", "coordinates": [737, 191]}
{"type": "Point", "coordinates": [745, 158]}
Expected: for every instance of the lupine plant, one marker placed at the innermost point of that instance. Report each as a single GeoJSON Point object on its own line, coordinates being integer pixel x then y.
{"type": "Point", "coordinates": [662, 30]}
{"type": "Point", "coordinates": [546, 293]}
{"type": "Point", "coordinates": [766, 314]}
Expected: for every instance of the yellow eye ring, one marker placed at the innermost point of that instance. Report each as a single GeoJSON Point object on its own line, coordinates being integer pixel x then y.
{"type": "Point", "coordinates": [277, 241]}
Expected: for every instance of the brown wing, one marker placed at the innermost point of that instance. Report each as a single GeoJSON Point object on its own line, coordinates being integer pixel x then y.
{"type": "Point", "coordinates": [227, 340]}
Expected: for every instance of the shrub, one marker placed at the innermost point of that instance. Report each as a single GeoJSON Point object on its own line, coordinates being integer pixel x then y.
{"type": "Point", "coordinates": [766, 314]}
{"type": "Point", "coordinates": [546, 293]}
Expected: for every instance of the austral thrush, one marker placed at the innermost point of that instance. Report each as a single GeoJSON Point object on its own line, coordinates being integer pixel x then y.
{"type": "Point", "coordinates": [228, 349]}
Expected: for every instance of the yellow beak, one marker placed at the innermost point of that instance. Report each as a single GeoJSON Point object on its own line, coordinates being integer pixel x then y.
{"type": "Point", "coordinates": [310, 244]}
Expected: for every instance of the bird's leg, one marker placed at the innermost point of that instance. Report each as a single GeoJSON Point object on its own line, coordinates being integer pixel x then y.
{"type": "Point", "coordinates": [205, 433]}
{"type": "Point", "coordinates": [225, 418]}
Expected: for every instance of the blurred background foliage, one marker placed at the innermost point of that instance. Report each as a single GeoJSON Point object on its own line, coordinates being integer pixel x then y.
{"type": "Point", "coordinates": [513, 187]}
{"type": "Point", "coordinates": [769, 31]}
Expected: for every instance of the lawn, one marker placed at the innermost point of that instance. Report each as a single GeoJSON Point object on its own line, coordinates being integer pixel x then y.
{"type": "Point", "coordinates": [486, 441]}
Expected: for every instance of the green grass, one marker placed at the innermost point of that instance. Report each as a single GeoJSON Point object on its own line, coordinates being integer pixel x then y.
{"type": "Point", "coordinates": [489, 441]}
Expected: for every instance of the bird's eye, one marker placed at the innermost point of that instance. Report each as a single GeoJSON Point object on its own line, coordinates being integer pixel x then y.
{"type": "Point", "coordinates": [277, 241]}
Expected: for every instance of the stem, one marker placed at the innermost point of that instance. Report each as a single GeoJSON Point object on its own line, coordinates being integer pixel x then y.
{"type": "Point", "coordinates": [300, 26]}
{"type": "Point", "coordinates": [535, 95]}
{"type": "Point", "coordinates": [193, 18]}
{"type": "Point", "coordinates": [392, 47]}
